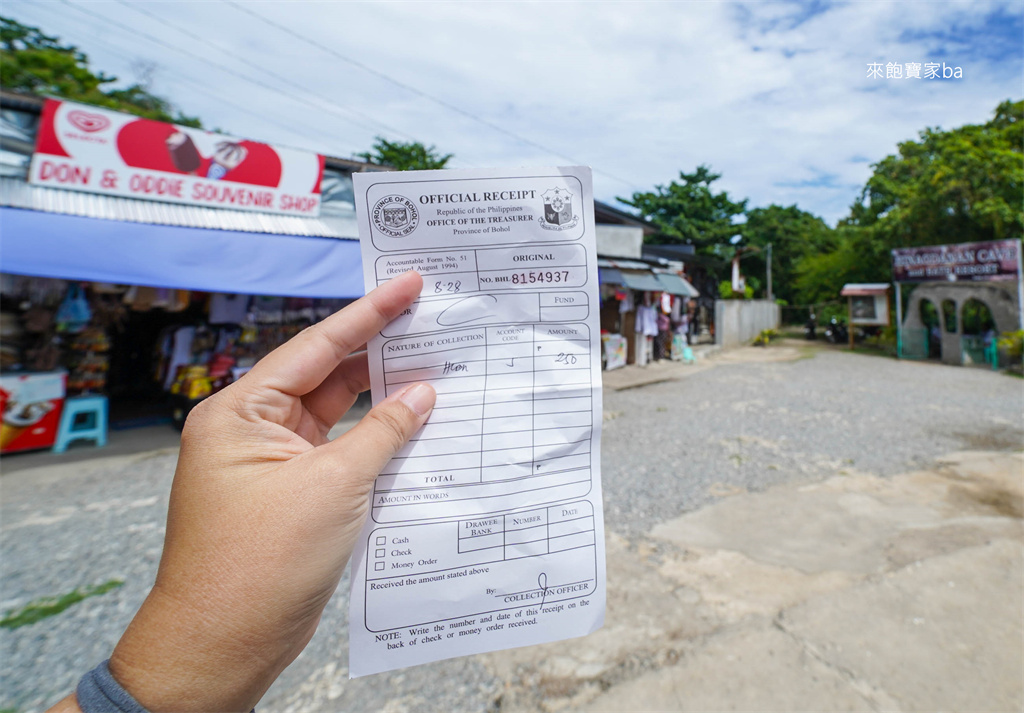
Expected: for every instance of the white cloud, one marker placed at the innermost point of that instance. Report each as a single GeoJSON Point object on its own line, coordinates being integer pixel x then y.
{"type": "Point", "coordinates": [773, 95]}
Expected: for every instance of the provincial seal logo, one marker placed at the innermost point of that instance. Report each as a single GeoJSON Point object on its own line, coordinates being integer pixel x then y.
{"type": "Point", "coordinates": [557, 210]}
{"type": "Point", "coordinates": [395, 216]}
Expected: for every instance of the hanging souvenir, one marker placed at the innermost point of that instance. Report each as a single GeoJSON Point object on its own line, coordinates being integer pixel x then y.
{"type": "Point", "coordinates": [73, 314]}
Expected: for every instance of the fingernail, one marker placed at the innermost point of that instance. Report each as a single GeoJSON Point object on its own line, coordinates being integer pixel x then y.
{"type": "Point", "coordinates": [420, 398]}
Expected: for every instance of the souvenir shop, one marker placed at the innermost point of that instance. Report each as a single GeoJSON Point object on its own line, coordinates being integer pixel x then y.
{"type": "Point", "coordinates": [645, 313]}
{"type": "Point", "coordinates": [154, 352]}
{"type": "Point", "coordinates": [148, 304]}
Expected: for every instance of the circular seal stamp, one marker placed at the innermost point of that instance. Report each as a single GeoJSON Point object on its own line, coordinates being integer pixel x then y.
{"type": "Point", "coordinates": [395, 216]}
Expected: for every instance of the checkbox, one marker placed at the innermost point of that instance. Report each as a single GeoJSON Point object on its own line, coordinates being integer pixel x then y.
{"type": "Point", "coordinates": [379, 553]}
{"type": "Point", "coordinates": [379, 567]}
{"type": "Point", "coordinates": [382, 540]}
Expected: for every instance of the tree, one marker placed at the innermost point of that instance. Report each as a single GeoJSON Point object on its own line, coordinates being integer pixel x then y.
{"type": "Point", "coordinates": [32, 61]}
{"type": "Point", "coordinates": [689, 211]}
{"type": "Point", "coordinates": [956, 186]}
{"type": "Point", "coordinates": [963, 185]}
{"type": "Point", "coordinates": [793, 234]}
{"type": "Point", "coordinates": [412, 156]}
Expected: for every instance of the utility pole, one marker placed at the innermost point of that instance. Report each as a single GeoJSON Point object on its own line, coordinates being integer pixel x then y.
{"type": "Point", "coordinates": [770, 271]}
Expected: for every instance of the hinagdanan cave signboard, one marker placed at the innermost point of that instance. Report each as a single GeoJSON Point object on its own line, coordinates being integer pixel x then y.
{"type": "Point", "coordinates": [997, 260]}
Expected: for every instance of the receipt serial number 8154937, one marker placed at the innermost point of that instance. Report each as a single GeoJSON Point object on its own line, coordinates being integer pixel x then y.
{"type": "Point", "coordinates": [530, 277]}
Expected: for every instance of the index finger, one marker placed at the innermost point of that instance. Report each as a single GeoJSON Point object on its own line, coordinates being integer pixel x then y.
{"type": "Point", "coordinates": [303, 362]}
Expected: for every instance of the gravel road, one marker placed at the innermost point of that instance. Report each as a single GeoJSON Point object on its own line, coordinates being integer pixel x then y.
{"type": "Point", "coordinates": [668, 448]}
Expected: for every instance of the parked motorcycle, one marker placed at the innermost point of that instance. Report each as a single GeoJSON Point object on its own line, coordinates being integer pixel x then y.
{"type": "Point", "coordinates": [810, 327]}
{"type": "Point", "coordinates": [836, 332]}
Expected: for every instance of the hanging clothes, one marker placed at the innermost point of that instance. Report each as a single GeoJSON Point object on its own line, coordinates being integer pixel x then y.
{"type": "Point", "coordinates": [666, 302]}
{"type": "Point", "coordinates": [626, 303]}
{"type": "Point", "coordinates": [180, 353]}
{"type": "Point", "coordinates": [267, 310]}
{"type": "Point", "coordinates": [647, 321]}
{"type": "Point", "coordinates": [228, 309]}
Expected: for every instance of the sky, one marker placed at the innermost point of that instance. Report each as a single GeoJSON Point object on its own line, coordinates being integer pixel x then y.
{"type": "Point", "coordinates": [777, 97]}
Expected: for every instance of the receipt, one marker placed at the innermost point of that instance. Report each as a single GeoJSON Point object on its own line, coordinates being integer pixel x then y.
{"type": "Point", "coordinates": [486, 531]}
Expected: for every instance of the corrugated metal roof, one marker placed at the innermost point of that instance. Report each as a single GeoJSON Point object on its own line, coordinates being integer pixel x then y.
{"type": "Point", "coordinates": [15, 193]}
{"type": "Point", "coordinates": [864, 289]}
{"type": "Point", "coordinates": [676, 284]}
{"type": "Point", "coordinates": [644, 281]}
{"type": "Point", "coordinates": [623, 264]}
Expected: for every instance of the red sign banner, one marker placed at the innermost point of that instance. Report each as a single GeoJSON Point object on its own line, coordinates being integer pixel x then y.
{"type": "Point", "coordinates": [85, 148]}
{"type": "Point", "coordinates": [997, 260]}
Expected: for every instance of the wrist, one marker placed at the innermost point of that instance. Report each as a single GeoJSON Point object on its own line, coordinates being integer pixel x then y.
{"type": "Point", "coordinates": [174, 657]}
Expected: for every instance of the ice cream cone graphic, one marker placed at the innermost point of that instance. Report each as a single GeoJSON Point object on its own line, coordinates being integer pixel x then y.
{"type": "Point", "coordinates": [18, 419]}
{"type": "Point", "coordinates": [9, 434]}
{"type": "Point", "coordinates": [227, 156]}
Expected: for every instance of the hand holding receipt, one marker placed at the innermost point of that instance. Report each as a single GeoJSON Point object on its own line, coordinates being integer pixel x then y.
{"type": "Point", "coordinates": [486, 529]}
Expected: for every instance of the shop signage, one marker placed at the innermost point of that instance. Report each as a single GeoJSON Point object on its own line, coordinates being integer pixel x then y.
{"type": "Point", "coordinates": [996, 260]}
{"type": "Point", "coordinates": [84, 148]}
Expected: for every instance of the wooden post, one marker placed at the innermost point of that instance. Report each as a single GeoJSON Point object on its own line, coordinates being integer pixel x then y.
{"type": "Point", "coordinates": [849, 319]}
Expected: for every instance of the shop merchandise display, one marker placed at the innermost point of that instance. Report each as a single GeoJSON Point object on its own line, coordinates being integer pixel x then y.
{"type": "Point", "coordinates": [74, 330]}
{"type": "Point", "coordinates": [11, 340]}
{"type": "Point", "coordinates": [73, 314]}
{"type": "Point", "coordinates": [89, 362]}
{"type": "Point", "coordinates": [653, 318]}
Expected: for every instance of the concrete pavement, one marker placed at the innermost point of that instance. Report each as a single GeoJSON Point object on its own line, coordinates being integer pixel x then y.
{"type": "Point", "coordinates": [856, 593]}
{"type": "Point", "coordinates": [823, 588]}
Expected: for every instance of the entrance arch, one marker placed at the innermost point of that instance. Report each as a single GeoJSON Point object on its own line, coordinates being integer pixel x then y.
{"type": "Point", "coordinates": [999, 298]}
{"type": "Point", "coordinates": [931, 318]}
{"type": "Point", "coordinates": [976, 317]}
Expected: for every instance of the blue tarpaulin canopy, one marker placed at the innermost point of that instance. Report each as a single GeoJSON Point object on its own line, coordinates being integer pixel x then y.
{"type": "Point", "coordinates": [72, 247]}
{"type": "Point", "coordinates": [609, 276]}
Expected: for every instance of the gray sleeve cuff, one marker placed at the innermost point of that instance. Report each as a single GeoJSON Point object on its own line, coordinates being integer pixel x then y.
{"type": "Point", "coordinates": [98, 692]}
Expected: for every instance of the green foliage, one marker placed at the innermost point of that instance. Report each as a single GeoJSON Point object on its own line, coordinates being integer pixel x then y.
{"type": "Point", "coordinates": [961, 185]}
{"type": "Point", "coordinates": [765, 337]}
{"type": "Point", "coordinates": [689, 211]}
{"type": "Point", "coordinates": [977, 317]}
{"type": "Point", "coordinates": [726, 292]}
{"type": "Point", "coordinates": [794, 234]}
{"type": "Point", "coordinates": [412, 156]}
{"type": "Point", "coordinates": [32, 61]}
{"type": "Point", "coordinates": [1013, 344]}
{"type": "Point", "coordinates": [884, 339]}
{"type": "Point", "coordinates": [827, 311]}
{"type": "Point", "coordinates": [39, 609]}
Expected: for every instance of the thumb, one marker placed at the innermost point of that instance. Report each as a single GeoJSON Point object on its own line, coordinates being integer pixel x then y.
{"type": "Point", "coordinates": [382, 432]}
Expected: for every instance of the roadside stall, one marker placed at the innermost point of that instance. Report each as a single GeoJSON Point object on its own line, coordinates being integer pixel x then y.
{"type": "Point", "coordinates": [142, 258]}
{"type": "Point", "coordinates": [642, 310]}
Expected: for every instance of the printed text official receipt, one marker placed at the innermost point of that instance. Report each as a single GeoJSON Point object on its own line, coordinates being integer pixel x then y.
{"type": "Point", "coordinates": [486, 531]}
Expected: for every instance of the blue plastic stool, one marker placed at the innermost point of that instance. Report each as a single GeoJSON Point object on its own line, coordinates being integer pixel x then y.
{"type": "Point", "coordinates": [93, 426]}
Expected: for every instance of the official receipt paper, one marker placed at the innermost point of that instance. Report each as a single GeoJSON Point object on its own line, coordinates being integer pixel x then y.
{"type": "Point", "coordinates": [486, 531]}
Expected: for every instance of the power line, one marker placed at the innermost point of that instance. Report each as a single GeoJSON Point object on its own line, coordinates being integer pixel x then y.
{"type": "Point", "coordinates": [221, 67]}
{"type": "Point", "coordinates": [441, 102]}
{"type": "Point", "coordinates": [201, 88]}
{"type": "Point", "coordinates": [206, 43]}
